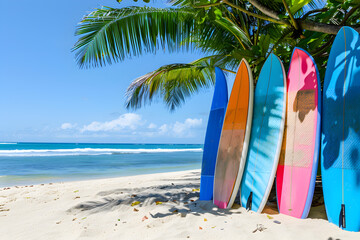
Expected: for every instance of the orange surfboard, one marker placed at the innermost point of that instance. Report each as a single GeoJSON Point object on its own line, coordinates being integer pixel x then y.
{"type": "Point", "coordinates": [234, 140]}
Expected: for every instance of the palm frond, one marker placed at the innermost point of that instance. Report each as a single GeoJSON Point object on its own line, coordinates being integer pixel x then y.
{"type": "Point", "coordinates": [302, 7]}
{"type": "Point", "coordinates": [173, 83]}
{"type": "Point", "coordinates": [214, 39]}
{"type": "Point", "coordinates": [225, 62]}
{"type": "Point", "coordinates": [180, 3]}
{"type": "Point", "coordinates": [109, 35]}
{"type": "Point", "coordinates": [236, 31]}
{"type": "Point", "coordinates": [274, 5]}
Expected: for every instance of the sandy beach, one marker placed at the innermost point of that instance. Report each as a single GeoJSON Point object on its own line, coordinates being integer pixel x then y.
{"type": "Point", "coordinates": [154, 206]}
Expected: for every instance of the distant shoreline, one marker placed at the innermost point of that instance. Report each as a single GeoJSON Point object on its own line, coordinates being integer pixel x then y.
{"type": "Point", "coordinates": [69, 181]}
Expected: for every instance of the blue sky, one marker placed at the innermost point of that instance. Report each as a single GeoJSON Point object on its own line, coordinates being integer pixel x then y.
{"type": "Point", "coordinates": [45, 97]}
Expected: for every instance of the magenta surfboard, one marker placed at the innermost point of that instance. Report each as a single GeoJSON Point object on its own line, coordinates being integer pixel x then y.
{"type": "Point", "coordinates": [296, 174]}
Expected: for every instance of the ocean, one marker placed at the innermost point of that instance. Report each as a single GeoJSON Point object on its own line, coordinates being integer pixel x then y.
{"type": "Point", "coordinates": [35, 163]}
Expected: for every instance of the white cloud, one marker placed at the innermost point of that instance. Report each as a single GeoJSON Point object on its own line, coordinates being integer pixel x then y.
{"type": "Point", "coordinates": [180, 129]}
{"type": "Point", "coordinates": [193, 122]}
{"type": "Point", "coordinates": [152, 126]}
{"type": "Point", "coordinates": [65, 126]}
{"type": "Point", "coordinates": [164, 129]}
{"type": "Point", "coordinates": [125, 121]}
{"type": "Point", "coordinates": [132, 125]}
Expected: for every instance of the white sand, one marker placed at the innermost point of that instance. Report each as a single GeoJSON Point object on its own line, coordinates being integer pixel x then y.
{"type": "Point", "coordinates": [101, 209]}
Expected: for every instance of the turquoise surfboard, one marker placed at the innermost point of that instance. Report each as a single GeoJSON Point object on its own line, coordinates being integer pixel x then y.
{"type": "Point", "coordinates": [212, 137]}
{"type": "Point", "coordinates": [340, 153]}
{"type": "Point", "coordinates": [266, 135]}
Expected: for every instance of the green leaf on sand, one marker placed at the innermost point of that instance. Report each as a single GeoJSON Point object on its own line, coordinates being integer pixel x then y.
{"type": "Point", "coordinates": [135, 203]}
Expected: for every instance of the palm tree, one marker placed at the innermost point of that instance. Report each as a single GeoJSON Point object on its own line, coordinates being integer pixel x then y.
{"type": "Point", "coordinates": [225, 31]}
{"type": "Point", "coordinates": [110, 35]}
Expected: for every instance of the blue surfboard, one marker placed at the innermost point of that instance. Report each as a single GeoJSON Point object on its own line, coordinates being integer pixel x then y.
{"type": "Point", "coordinates": [212, 137]}
{"type": "Point", "coordinates": [340, 151]}
{"type": "Point", "coordinates": [266, 135]}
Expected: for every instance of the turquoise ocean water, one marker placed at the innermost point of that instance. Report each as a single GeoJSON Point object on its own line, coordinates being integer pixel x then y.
{"type": "Point", "coordinates": [34, 163]}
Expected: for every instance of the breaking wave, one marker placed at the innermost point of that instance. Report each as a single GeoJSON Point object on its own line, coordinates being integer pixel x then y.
{"type": "Point", "coordinates": [88, 151]}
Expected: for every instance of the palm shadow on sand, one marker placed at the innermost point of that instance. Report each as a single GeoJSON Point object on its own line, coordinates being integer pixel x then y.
{"type": "Point", "coordinates": [179, 198]}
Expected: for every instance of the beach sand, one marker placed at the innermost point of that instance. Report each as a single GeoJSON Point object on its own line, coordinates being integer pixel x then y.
{"type": "Point", "coordinates": [154, 206]}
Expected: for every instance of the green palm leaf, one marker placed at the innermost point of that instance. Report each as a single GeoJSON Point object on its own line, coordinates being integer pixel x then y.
{"type": "Point", "coordinates": [236, 31]}
{"type": "Point", "coordinates": [172, 82]}
{"type": "Point", "coordinates": [226, 62]}
{"type": "Point", "coordinates": [110, 35]}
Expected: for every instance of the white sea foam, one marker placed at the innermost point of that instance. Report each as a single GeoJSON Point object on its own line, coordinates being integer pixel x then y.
{"type": "Point", "coordinates": [7, 143]}
{"type": "Point", "coordinates": [88, 151]}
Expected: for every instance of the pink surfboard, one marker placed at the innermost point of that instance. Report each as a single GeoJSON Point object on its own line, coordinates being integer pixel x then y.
{"type": "Point", "coordinates": [296, 174]}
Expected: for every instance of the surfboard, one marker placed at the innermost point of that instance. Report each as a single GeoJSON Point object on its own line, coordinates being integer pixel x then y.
{"type": "Point", "coordinates": [267, 131]}
{"type": "Point", "coordinates": [340, 163]}
{"type": "Point", "coordinates": [212, 137]}
{"type": "Point", "coordinates": [296, 174]}
{"type": "Point", "coordinates": [234, 138]}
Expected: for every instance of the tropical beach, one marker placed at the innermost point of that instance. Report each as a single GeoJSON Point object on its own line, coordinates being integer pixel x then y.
{"type": "Point", "coordinates": [180, 119]}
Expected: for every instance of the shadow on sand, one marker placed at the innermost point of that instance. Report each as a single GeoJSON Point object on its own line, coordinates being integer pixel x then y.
{"type": "Point", "coordinates": [176, 198]}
